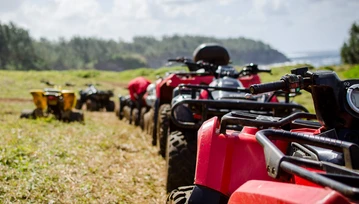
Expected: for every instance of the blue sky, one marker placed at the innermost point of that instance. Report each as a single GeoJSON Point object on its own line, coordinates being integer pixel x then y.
{"type": "Point", "coordinates": [287, 25]}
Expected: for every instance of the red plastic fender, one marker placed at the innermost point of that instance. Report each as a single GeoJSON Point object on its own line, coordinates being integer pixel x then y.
{"type": "Point", "coordinates": [255, 191]}
{"type": "Point", "coordinates": [247, 81]}
{"type": "Point", "coordinates": [227, 161]}
{"type": "Point", "coordinates": [172, 81]}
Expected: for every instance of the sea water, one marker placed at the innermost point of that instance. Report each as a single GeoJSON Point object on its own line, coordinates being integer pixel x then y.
{"type": "Point", "coordinates": [316, 58]}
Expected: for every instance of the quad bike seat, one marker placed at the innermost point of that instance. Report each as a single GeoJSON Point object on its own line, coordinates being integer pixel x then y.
{"type": "Point", "coordinates": [211, 53]}
{"type": "Point", "coordinates": [307, 123]}
{"type": "Point", "coordinates": [51, 91]}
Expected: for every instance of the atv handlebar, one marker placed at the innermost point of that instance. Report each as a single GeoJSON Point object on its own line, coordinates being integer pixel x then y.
{"type": "Point", "coordinates": [289, 83]}
{"type": "Point", "coordinates": [202, 65]}
{"type": "Point", "coordinates": [179, 59]}
{"type": "Point", "coordinates": [267, 87]}
{"type": "Point", "coordinates": [265, 71]}
{"type": "Point", "coordinates": [251, 69]}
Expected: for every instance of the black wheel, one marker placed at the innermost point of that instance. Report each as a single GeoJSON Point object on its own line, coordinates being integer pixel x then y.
{"type": "Point", "coordinates": [180, 195]}
{"type": "Point", "coordinates": [27, 114]}
{"type": "Point", "coordinates": [92, 105]}
{"type": "Point", "coordinates": [142, 118]}
{"type": "Point", "coordinates": [135, 118]}
{"type": "Point", "coordinates": [127, 113]}
{"type": "Point", "coordinates": [120, 114]}
{"type": "Point", "coordinates": [121, 105]}
{"type": "Point", "coordinates": [146, 122]}
{"type": "Point", "coordinates": [149, 125]}
{"type": "Point", "coordinates": [110, 106]}
{"type": "Point", "coordinates": [163, 127]}
{"type": "Point", "coordinates": [78, 105]}
{"type": "Point", "coordinates": [76, 116]}
{"type": "Point", "coordinates": [181, 159]}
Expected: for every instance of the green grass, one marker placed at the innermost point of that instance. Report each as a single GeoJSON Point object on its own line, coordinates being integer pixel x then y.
{"type": "Point", "coordinates": [353, 72]}
{"type": "Point", "coordinates": [18, 83]}
{"type": "Point", "coordinates": [102, 161]}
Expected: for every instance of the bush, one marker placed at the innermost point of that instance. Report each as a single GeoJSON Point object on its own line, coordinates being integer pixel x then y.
{"type": "Point", "coordinates": [352, 73]}
{"type": "Point", "coordinates": [88, 74]}
{"type": "Point", "coordinates": [350, 50]}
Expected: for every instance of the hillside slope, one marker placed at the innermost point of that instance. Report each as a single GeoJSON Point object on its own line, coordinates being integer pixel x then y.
{"type": "Point", "coordinates": [18, 51]}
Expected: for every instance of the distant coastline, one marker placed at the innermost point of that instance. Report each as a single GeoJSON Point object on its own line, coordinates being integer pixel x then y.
{"type": "Point", "coordinates": [315, 58]}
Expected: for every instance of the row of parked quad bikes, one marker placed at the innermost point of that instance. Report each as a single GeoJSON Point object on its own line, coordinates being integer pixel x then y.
{"type": "Point", "coordinates": [228, 138]}
{"type": "Point", "coordinates": [60, 103]}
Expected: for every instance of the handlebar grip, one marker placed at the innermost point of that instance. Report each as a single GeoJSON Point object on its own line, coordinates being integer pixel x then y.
{"type": "Point", "coordinates": [267, 87]}
{"type": "Point", "coordinates": [265, 70]}
{"type": "Point", "coordinates": [172, 60]}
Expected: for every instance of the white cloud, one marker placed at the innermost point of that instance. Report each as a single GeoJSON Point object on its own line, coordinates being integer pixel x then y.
{"type": "Point", "coordinates": [7, 5]}
{"type": "Point", "coordinates": [287, 25]}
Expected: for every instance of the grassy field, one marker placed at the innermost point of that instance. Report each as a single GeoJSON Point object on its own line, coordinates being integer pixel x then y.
{"type": "Point", "coordinates": [102, 161]}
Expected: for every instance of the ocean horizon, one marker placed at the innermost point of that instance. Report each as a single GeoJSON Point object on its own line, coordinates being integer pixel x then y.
{"type": "Point", "coordinates": [314, 58]}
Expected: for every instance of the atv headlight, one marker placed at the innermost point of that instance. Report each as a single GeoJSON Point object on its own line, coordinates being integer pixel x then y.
{"type": "Point", "coordinates": [353, 97]}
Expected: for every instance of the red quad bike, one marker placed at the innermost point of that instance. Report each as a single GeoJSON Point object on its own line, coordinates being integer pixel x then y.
{"type": "Point", "coordinates": [133, 105]}
{"type": "Point", "coordinates": [211, 53]}
{"type": "Point", "coordinates": [194, 104]}
{"type": "Point", "coordinates": [282, 160]}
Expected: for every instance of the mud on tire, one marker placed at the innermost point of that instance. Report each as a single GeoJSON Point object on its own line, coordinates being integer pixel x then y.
{"type": "Point", "coordinates": [134, 116]}
{"type": "Point", "coordinates": [181, 159]}
{"type": "Point", "coordinates": [127, 113]}
{"type": "Point", "coordinates": [149, 125]}
{"type": "Point", "coordinates": [146, 121]}
{"type": "Point", "coordinates": [142, 118]}
{"type": "Point", "coordinates": [180, 195]}
{"type": "Point", "coordinates": [163, 127]}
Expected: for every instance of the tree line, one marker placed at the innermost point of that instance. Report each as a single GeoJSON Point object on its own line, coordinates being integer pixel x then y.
{"type": "Point", "coordinates": [19, 51]}
{"type": "Point", "coordinates": [350, 49]}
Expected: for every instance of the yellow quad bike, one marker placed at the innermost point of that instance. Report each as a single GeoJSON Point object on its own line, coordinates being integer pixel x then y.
{"type": "Point", "coordinates": [54, 101]}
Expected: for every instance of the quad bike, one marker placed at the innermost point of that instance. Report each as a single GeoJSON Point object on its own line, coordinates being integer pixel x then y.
{"type": "Point", "coordinates": [55, 101]}
{"type": "Point", "coordinates": [194, 104]}
{"type": "Point", "coordinates": [210, 53]}
{"type": "Point", "coordinates": [125, 107]}
{"type": "Point", "coordinates": [147, 115]}
{"type": "Point", "coordinates": [129, 109]}
{"type": "Point", "coordinates": [95, 99]}
{"type": "Point", "coordinates": [282, 160]}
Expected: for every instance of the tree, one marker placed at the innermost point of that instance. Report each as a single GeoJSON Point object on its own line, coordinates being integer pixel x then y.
{"type": "Point", "coordinates": [16, 48]}
{"type": "Point", "coordinates": [350, 50]}
{"type": "Point", "coordinates": [19, 51]}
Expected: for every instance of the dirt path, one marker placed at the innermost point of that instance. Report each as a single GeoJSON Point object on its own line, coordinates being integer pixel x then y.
{"type": "Point", "coordinates": [15, 100]}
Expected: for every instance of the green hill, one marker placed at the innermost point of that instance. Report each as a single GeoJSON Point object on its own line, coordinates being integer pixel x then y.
{"type": "Point", "coordinates": [18, 51]}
